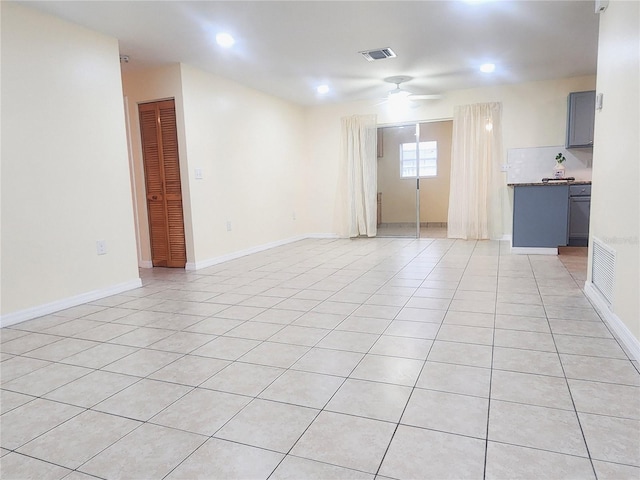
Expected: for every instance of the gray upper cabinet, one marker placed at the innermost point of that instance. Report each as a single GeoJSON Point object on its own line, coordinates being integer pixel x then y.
{"type": "Point", "coordinates": [581, 110]}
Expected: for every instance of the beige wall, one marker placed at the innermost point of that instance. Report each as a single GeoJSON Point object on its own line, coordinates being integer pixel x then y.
{"type": "Point", "coordinates": [399, 194]}
{"type": "Point", "coordinates": [249, 147]}
{"type": "Point", "coordinates": [534, 115]}
{"type": "Point", "coordinates": [615, 212]}
{"type": "Point", "coordinates": [145, 86]}
{"type": "Point", "coordinates": [263, 159]}
{"type": "Point", "coordinates": [434, 191]}
{"type": "Point", "coordinates": [65, 174]}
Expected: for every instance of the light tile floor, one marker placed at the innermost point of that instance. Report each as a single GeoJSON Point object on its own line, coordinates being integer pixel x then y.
{"type": "Point", "coordinates": [410, 230]}
{"type": "Point", "coordinates": [330, 359]}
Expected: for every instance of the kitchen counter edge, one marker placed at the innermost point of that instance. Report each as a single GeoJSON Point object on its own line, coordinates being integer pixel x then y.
{"type": "Point", "coordinates": [549, 184]}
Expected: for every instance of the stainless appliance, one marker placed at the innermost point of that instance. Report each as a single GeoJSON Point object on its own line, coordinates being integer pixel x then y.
{"type": "Point", "coordinates": [579, 210]}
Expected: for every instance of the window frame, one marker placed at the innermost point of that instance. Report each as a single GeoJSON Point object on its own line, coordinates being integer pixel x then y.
{"type": "Point", "coordinates": [416, 166]}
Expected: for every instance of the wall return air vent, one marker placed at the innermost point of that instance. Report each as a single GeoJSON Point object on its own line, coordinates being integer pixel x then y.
{"type": "Point", "coordinates": [603, 269]}
{"type": "Point", "coordinates": [378, 54]}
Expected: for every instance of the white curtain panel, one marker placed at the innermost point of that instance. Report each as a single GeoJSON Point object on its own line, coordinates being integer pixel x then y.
{"type": "Point", "coordinates": [476, 155]}
{"type": "Point", "coordinates": [359, 142]}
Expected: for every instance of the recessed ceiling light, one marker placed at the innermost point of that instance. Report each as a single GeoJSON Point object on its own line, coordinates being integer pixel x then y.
{"type": "Point", "coordinates": [225, 40]}
{"type": "Point", "coordinates": [322, 89]}
{"type": "Point", "coordinates": [487, 67]}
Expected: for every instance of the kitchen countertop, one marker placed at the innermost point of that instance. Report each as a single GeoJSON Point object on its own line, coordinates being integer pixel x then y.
{"type": "Point", "coordinates": [551, 183]}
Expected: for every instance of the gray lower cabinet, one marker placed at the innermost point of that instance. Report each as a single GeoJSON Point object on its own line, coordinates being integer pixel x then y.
{"type": "Point", "coordinates": [540, 214]}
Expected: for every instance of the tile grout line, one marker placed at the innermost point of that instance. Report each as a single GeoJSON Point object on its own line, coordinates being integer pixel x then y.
{"type": "Point", "coordinates": [332, 396]}
{"type": "Point", "coordinates": [584, 439]}
{"type": "Point", "coordinates": [336, 391]}
{"type": "Point", "coordinates": [381, 273]}
{"type": "Point", "coordinates": [285, 370]}
{"type": "Point", "coordinates": [166, 407]}
{"type": "Point", "coordinates": [493, 346]}
{"type": "Point", "coordinates": [419, 373]}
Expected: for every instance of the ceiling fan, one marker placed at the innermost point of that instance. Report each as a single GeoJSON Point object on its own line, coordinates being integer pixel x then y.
{"type": "Point", "coordinates": [400, 95]}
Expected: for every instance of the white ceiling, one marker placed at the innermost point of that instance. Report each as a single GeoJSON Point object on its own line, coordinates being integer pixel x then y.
{"type": "Point", "coordinates": [287, 48]}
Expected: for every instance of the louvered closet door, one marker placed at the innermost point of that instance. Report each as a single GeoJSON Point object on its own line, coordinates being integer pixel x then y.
{"type": "Point", "coordinates": [162, 177]}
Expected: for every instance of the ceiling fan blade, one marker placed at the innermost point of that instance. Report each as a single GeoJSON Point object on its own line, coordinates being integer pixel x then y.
{"type": "Point", "coordinates": [426, 97]}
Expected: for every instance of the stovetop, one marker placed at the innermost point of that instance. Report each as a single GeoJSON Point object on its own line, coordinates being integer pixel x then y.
{"type": "Point", "coordinates": [559, 180]}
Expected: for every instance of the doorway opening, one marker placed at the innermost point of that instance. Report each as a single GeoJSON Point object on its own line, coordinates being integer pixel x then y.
{"type": "Point", "coordinates": [414, 166]}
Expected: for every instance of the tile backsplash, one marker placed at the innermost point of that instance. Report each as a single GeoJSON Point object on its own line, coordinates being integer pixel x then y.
{"type": "Point", "coordinates": [526, 165]}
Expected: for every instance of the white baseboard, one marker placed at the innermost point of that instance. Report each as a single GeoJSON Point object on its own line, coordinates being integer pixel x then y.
{"type": "Point", "coordinates": [534, 251]}
{"type": "Point", "coordinates": [145, 264]}
{"type": "Point", "coordinates": [505, 238]}
{"type": "Point", "coordinates": [630, 342]}
{"type": "Point", "coordinates": [35, 312]}
{"type": "Point", "coordinates": [258, 248]}
{"type": "Point", "coordinates": [322, 235]}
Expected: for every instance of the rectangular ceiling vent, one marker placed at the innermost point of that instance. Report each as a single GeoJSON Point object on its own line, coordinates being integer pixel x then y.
{"type": "Point", "coordinates": [378, 54]}
{"type": "Point", "coordinates": [604, 268]}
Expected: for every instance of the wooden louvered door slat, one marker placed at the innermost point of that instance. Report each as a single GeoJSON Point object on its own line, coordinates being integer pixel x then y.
{"type": "Point", "coordinates": [162, 178]}
{"type": "Point", "coordinates": [173, 191]}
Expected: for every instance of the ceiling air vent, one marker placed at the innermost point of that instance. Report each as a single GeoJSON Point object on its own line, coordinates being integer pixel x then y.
{"type": "Point", "coordinates": [378, 54]}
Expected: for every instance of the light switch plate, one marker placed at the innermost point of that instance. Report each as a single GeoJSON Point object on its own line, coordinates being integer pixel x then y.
{"type": "Point", "coordinates": [101, 247]}
{"type": "Point", "coordinates": [198, 174]}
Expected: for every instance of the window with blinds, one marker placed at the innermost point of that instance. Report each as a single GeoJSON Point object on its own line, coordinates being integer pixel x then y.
{"type": "Point", "coordinates": [419, 159]}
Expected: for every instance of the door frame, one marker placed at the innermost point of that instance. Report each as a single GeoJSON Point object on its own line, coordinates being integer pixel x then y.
{"type": "Point", "coordinates": [141, 203]}
{"type": "Point", "coordinates": [416, 124]}
{"type": "Point", "coordinates": [134, 187]}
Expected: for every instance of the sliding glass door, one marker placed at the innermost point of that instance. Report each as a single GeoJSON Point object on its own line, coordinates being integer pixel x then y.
{"type": "Point", "coordinates": [398, 197]}
{"type": "Point", "coordinates": [414, 162]}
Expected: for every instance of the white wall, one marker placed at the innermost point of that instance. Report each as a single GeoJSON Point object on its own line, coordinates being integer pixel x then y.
{"type": "Point", "coordinates": [65, 175]}
{"type": "Point", "coordinates": [534, 115]}
{"type": "Point", "coordinates": [615, 212]}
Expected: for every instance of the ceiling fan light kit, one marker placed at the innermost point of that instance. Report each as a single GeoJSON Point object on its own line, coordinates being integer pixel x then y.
{"type": "Point", "coordinates": [225, 40]}
{"type": "Point", "coordinates": [487, 68]}
{"type": "Point", "coordinates": [398, 94]}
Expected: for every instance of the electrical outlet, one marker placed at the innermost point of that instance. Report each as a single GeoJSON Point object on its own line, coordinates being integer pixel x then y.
{"type": "Point", "coordinates": [228, 226]}
{"type": "Point", "coordinates": [101, 247]}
